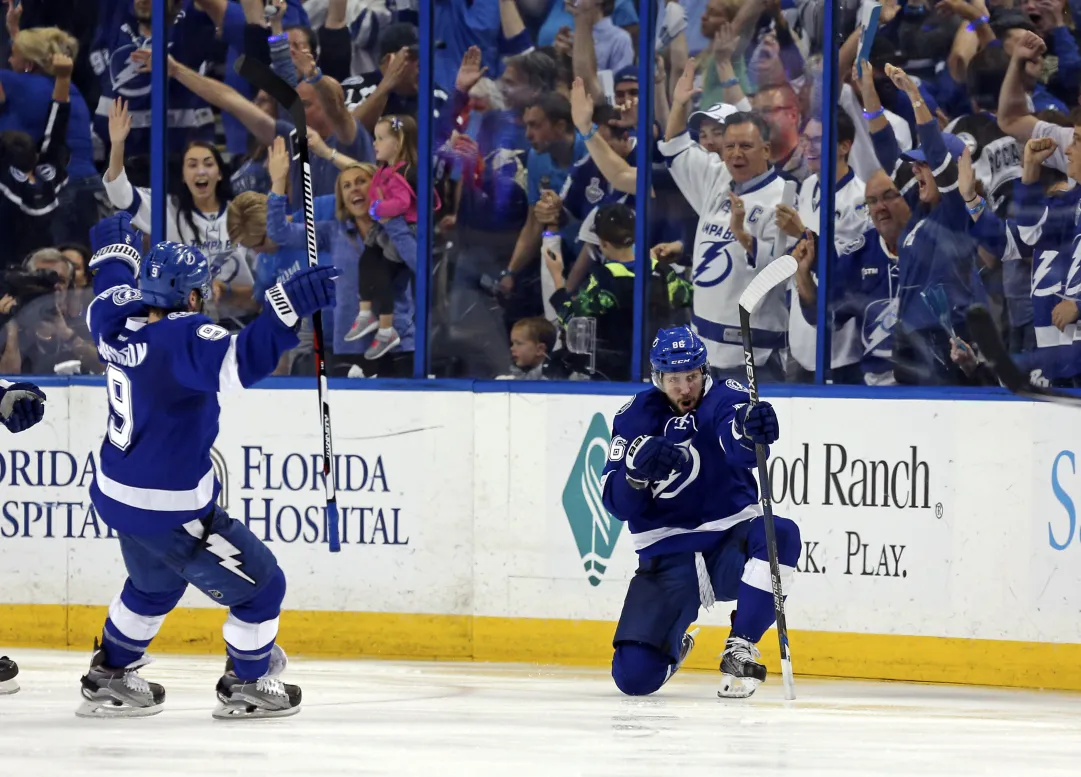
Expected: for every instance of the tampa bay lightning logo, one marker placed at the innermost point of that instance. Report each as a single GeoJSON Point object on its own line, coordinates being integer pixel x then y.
{"type": "Point", "coordinates": [879, 321]}
{"type": "Point", "coordinates": [124, 73]}
{"type": "Point", "coordinates": [124, 295]}
{"type": "Point", "coordinates": [715, 266]}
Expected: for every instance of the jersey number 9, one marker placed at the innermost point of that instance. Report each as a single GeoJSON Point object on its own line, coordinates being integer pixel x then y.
{"type": "Point", "coordinates": [121, 422]}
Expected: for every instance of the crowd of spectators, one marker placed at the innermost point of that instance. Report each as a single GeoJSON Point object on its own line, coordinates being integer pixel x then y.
{"type": "Point", "coordinates": [953, 172]}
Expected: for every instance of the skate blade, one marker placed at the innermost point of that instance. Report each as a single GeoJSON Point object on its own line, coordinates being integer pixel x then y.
{"type": "Point", "coordinates": [112, 709]}
{"type": "Point", "coordinates": [245, 711]}
{"type": "Point", "coordinates": [733, 687]}
{"type": "Point", "coordinates": [8, 687]}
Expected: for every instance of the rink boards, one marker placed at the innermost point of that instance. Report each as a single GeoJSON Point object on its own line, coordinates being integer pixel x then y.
{"type": "Point", "coordinates": [941, 539]}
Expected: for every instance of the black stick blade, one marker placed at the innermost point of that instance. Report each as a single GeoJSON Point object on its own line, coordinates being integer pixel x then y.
{"type": "Point", "coordinates": [983, 330]}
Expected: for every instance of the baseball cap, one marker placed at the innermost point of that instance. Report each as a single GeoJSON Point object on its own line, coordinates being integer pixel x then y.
{"type": "Point", "coordinates": [628, 73]}
{"type": "Point", "coordinates": [718, 113]}
{"type": "Point", "coordinates": [954, 145]}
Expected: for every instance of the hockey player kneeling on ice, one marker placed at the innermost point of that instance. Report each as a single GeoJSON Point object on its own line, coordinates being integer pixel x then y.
{"type": "Point", "coordinates": [21, 406]}
{"type": "Point", "coordinates": [680, 473]}
{"type": "Point", "coordinates": [155, 486]}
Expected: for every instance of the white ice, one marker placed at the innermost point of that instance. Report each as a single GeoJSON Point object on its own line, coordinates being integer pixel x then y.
{"type": "Point", "coordinates": [397, 718]}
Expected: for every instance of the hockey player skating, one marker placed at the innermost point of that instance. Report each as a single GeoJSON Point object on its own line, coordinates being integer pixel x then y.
{"type": "Point", "coordinates": [680, 473]}
{"type": "Point", "coordinates": [155, 485]}
{"type": "Point", "coordinates": [21, 406]}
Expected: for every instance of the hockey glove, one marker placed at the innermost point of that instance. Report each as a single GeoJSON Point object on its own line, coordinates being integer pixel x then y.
{"type": "Point", "coordinates": [758, 423]}
{"type": "Point", "coordinates": [114, 238]}
{"type": "Point", "coordinates": [309, 290]}
{"type": "Point", "coordinates": [653, 458]}
{"type": "Point", "coordinates": [21, 406]}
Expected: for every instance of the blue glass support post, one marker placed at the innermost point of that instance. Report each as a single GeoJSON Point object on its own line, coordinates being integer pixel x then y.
{"type": "Point", "coordinates": [159, 124]}
{"type": "Point", "coordinates": [827, 177]}
{"type": "Point", "coordinates": [424, 190]}
{"type": "Point", "coordinates": [647, 22]}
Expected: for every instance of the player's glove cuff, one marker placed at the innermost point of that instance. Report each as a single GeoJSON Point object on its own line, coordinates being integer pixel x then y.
{"type": "Point", "coordinates": [122, 251]}
{"type": "Point", "coordinates": [279, 302]}
{"type": "Point", "coordinates": [632, 450]}
{"type": "Point", "coordinates": [635, 483]}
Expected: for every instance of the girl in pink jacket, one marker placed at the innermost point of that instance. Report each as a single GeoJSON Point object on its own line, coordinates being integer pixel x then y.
{"type": "Point", "coordinates": [393, 193]}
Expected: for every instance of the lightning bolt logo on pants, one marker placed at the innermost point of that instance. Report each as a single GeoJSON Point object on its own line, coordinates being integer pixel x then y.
{"type": "Point", "coordinates": [228, 553]}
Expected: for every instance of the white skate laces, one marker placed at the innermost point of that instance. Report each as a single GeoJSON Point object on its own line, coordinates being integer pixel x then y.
{"type": "Point", "coordinates": [135, 683]}
{"type": "Point", "coordinates": [271, 686]}
{"type": "Point", "coordinates": [741, 650]}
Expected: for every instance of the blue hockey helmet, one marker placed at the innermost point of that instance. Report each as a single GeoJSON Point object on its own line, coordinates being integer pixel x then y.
{"type": "Point", "coordinates": [677, 349]}
{"type": "Point", "coordinates": [170, 272]}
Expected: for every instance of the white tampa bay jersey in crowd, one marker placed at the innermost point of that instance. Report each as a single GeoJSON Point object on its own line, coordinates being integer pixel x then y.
{"type": "Point", "coordinates": [851, 220]}
{"type": "Point", "coordinates": [721, 267]}
{"type": "Point", "coordinates": [207, 232]}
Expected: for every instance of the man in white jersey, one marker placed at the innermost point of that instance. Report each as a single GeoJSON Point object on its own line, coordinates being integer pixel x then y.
{"type": "Point", "coordinates": [850, 222]}
{"type": "Point", "coordinates": [735, 198]}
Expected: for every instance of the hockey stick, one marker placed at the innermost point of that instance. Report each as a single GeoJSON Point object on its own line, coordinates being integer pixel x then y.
{"type": "Point", "coordinates": [983, 330]}
{"type": "Point", "coordinates": [259, 75]}
{"type": "Point", "coordinates": [772, 276]}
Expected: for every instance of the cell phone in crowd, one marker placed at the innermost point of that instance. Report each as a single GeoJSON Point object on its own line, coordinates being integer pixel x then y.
{"type": "Point", "coordinates": [788, 197]}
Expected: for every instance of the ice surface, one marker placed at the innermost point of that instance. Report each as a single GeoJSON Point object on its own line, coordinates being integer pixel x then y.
{"type": "Point", "coordinates": [399, 718]}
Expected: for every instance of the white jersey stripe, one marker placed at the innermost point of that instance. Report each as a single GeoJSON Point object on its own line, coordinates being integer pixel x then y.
{"type": "Point", "coordinates": [647, 538]}
{"type": "Point", "coordinates": [159, 499]}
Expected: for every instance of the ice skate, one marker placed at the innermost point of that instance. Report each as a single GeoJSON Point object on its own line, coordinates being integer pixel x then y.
{"type": "Point", "coordinates": [740, 671]}
{"type": "Point", "coordinates": [8, 672]}
{"type": "Point", "coordinates": [118, 693]}
{"type": "Point", "coordinates": [685, 648]}
{"type": "Point", "coordinates": [267, 697]}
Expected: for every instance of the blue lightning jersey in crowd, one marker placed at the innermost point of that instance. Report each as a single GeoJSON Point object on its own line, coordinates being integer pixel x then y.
{"type": "Point", "coordinates": [865, 287]}
{"type": "Point", "coordinates": [163, 379]}
{"type": "Point", "coordinates": [1049, 225]}
{"type": "Point", "coordinates": [191, 42]}
{"type": "Point", "coordinates": [714, 489]}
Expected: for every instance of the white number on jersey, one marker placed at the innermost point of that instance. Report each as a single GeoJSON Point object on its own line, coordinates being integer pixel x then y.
{"type": "Point", "coordinates": [211, 332]}
{"type": "Point", "coordinates": [121, 422]}
{"type": "Point", "coordinates": [617, 448]}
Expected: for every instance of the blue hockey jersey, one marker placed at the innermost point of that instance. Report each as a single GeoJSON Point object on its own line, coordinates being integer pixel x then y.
{"type": "Point", "coordinates": [191, 42]}
{"type": "Point", "coordinates": [162, 379]}
{"type": "Point", "coordinates": [713, 491]}
{"type": "Point", "coordinates": [865, 287]}
{"type": "Point", "coordinates": [1049, 225]}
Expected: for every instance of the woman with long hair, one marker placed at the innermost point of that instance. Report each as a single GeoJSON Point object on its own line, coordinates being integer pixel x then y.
{"type": "Point", "coordinates": [344, 237]}
{"type": "Point", "coordinates": [196, 215]}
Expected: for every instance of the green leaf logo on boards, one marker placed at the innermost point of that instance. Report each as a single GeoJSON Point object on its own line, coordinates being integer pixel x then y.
{"type": "Point", "coordinates": [595, 530]}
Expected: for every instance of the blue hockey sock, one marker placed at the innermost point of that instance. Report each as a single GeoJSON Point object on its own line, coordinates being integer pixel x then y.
{"type": "Point", "coordinates": [754, 613]}
{"type": "Point", "coordinates": [252, 627]}
{"type": "Point", "coordinates": [134, 620]}
{"type": "Point", "coordinates": [250, 664]}
{"type": "Point", "coordinates": [120, 650]}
